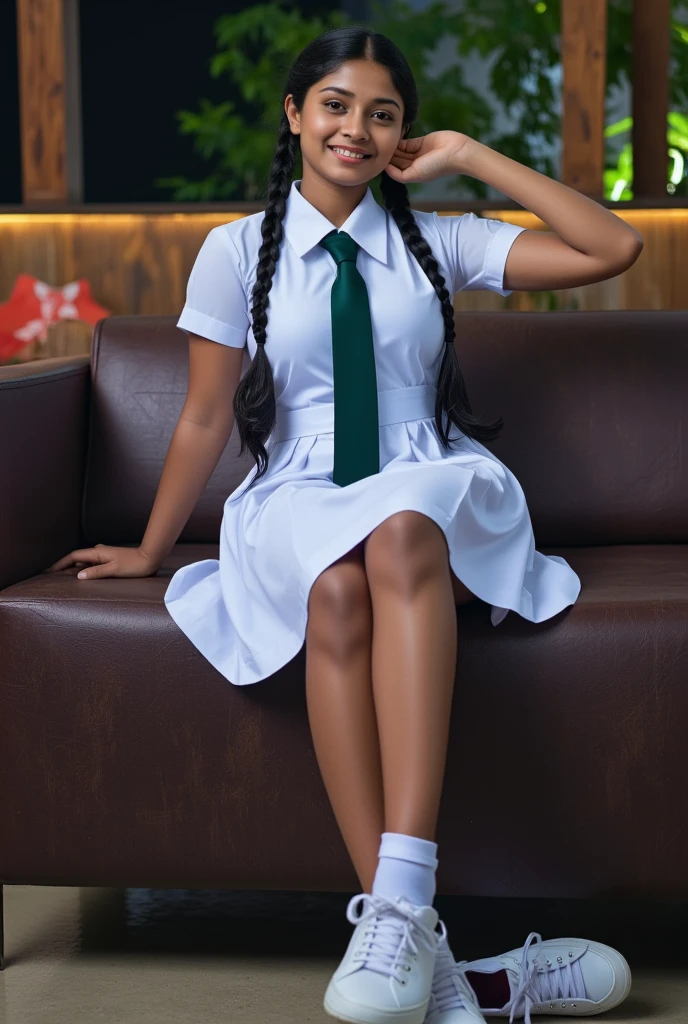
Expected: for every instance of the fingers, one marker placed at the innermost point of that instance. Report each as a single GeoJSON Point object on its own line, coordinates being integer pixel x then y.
{"type": "Point", "coordinates": [399, 169]}
{"type": "Point", "coordinates": [78, 555]}
{"type": "Point", "coordinates": [398, 174]}
{"type": "Point", "coordinates": [405, 155]}
{"type": "Point", "coordinates": [410, 145]}
{"type": "Point", "coordinates": [95, 571]}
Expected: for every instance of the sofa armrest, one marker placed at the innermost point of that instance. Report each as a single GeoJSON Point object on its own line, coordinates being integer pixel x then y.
{"type": "Point", "coordinates": [43, 429]}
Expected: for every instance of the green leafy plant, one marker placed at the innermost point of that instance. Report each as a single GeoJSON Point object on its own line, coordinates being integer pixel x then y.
{"type": "Point", "coordinates": [257, 45]}
{"type": "Point", "coordinates": [256, 48]}
{"type": "Point", "coordinates": [525, 39]}
{"type": "Point", "coordinates": [618, 179]}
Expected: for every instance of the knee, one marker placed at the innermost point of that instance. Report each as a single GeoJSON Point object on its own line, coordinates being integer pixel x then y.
{"type": "Point", "coordinates": [339, 611]}
{"type": "Point", "coordinates": [405, 550]}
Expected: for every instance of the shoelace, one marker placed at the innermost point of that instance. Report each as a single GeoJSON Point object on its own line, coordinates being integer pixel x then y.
{"type": "Point", "coordinates": [451, 989]}
{"type": "Point", "coordinates": [389, 940]}
{"type": "Point", "coordinates": [564, 982]}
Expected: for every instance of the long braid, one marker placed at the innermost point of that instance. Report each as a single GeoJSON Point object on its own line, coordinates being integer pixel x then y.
{"type": "Point", "coordinates": [254, 398]}
{"type": "Point", "coordinates": [452, 396]}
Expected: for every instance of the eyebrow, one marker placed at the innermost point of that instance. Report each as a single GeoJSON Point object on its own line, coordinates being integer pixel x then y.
{"type": "Point", "coordinates": [346, 92]}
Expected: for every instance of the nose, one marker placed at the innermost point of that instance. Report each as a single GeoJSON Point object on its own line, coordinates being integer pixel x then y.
{"type": "Point", "coordinates": [355, 128]}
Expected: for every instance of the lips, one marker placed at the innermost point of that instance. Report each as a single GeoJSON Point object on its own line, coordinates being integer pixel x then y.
{"type": "Point", "coordinates": [365, 156]}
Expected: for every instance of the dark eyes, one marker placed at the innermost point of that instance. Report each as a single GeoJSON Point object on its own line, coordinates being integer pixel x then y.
{"type": "Point", "coordinates": [327, 103]}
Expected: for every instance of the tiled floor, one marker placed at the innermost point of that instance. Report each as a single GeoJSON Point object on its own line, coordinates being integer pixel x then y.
{"type": "Point", "coordinates": [151, 956]}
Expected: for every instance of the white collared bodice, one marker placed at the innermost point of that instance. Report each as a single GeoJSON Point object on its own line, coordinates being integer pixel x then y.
{"type": "Point", "coordinates": [406, 315]}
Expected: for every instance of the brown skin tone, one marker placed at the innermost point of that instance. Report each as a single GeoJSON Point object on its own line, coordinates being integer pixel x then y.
{"type": "Point", "coordinates": [379, 700]}
{"type": "Point", "coordinates": [328, 118]}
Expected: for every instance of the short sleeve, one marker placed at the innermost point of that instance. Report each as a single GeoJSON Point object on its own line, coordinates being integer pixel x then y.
{"type": "Point", "coordinates": [216, 306]}
{"type": "Point", "coordinates": [475, 250]}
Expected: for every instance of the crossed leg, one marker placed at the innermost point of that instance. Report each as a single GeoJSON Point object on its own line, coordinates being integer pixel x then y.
{"type": "Point", "coordinates": [379, 699]}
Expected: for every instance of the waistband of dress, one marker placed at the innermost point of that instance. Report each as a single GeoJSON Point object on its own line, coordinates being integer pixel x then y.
{"type": "Point", "coordinates": [394, 406]}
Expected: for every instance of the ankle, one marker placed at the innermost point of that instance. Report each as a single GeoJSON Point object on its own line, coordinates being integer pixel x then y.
{"type": "Point", "coordinates": [406, 867]}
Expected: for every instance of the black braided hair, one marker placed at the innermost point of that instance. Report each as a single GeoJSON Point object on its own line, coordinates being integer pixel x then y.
{"type": "Point", "coordinates": [254, 399]}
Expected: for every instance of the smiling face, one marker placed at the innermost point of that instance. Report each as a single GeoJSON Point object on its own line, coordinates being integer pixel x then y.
{"type": "Point", "coordinates": [355, 108]}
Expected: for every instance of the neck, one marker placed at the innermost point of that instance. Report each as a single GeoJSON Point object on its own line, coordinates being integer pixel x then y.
{"type": "Point", "coordinates": [335, 201]}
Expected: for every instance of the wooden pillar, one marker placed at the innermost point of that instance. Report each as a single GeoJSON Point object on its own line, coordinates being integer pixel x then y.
{"type": "Point", "coordinates": [650, 78]}
{"type": "Point", "coordinates": [50, 101]}
{"type": "Point", "coordinates": [584, 66]}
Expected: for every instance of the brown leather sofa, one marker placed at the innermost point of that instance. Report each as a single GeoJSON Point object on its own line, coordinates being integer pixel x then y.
{"type": "Point", "coordinates": [127, 760]}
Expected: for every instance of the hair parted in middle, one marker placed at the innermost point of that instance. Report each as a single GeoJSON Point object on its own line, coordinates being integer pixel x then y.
{"type": "Point", "coordinates": [254, 399]}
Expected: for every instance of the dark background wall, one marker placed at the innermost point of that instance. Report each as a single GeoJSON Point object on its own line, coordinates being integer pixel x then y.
{"type": "Point", "coordinates": [10, 183]}
{"type": "Point", "coordinates": [141, 60]}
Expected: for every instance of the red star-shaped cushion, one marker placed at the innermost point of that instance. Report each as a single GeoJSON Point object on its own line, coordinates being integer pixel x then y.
{"type": "Point", "coordinates": [34, 305]}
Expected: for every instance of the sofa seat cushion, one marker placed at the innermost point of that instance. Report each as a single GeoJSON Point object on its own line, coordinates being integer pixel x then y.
{"type": "Point", "coordinates": [622, 574]}
{"type": "Point", "coordinates": [128, 760]}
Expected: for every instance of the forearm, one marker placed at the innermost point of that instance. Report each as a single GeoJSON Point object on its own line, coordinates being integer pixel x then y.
{"type": "Point", "coordinates": [578, 220]}
{"type": "Point", "coordinates": [193, 454]}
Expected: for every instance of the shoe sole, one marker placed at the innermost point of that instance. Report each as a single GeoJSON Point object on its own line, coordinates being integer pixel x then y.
{"type": "Point", "coordinates": [600, 947]}
{"type": "Point", "coordinates": [355, 1013]}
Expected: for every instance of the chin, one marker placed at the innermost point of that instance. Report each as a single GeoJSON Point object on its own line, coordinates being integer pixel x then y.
{"type": "Point", "coordinates": [349, 179]}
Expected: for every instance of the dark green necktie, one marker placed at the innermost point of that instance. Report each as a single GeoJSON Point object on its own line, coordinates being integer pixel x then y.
{"type": "Point", "coordinates": [356, 433]}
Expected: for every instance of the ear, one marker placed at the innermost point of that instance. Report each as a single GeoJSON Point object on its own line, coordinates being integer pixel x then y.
{"type": "Point", "coordinates": [292, 117]}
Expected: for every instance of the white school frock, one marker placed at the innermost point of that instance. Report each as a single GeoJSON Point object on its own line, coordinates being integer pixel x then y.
{"type": "Point", "coordinates": [247, 611]}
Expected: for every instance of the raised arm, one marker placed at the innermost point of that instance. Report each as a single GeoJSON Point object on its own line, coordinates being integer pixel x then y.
{"type": "Point", "coordinates": [588, 243]}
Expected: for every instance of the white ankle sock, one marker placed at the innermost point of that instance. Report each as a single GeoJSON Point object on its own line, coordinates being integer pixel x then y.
{"type": "Point", "coordinates": [406, 867]}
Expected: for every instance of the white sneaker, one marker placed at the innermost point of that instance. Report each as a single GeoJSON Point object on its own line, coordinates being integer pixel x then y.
{"type": "Point", "coordinates": [452, 1000]}
{"type": "Point", "coordinates": [386, 973]}
{"type": "Point", "coordinates": [567, 977]}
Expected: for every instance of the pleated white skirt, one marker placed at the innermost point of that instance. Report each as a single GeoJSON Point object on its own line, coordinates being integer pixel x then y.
{"type": "Point", "coordinates": [247, 612]}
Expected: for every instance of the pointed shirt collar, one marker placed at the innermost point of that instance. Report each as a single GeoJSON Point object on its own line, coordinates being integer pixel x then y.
{"type": "Point", "coordinates": [305, 226]}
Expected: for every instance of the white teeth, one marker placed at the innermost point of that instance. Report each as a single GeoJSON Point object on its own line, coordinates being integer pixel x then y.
{"type": "Point", "coordinates": [347, 152]}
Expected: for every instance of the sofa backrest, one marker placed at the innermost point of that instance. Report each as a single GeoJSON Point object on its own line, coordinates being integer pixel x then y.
{"type": "Point", "coordinates": [595, 406]}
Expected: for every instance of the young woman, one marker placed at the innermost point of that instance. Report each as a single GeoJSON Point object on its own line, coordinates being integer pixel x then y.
{"type": "Point", "coordinates": [331, 294]}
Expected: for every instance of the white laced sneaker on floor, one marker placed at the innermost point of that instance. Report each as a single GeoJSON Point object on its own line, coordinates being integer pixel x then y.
{"type": "Point", "coordinates": [566, 977]}
{"type": "Point", "coordinates": [386, 973]}
{"type": "Point", "coordinates": [452, 1000]}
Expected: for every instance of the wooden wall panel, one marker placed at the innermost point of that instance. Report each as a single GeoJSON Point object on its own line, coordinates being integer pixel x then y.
{"type": "Point", "coordinates": [141, 264]}
{"type": "Point", "coordinates": [651, 49]}
{"type": "Point", "coordinates": [584, 66]}
{"type": "Point", "coordinates": [49, 100]}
